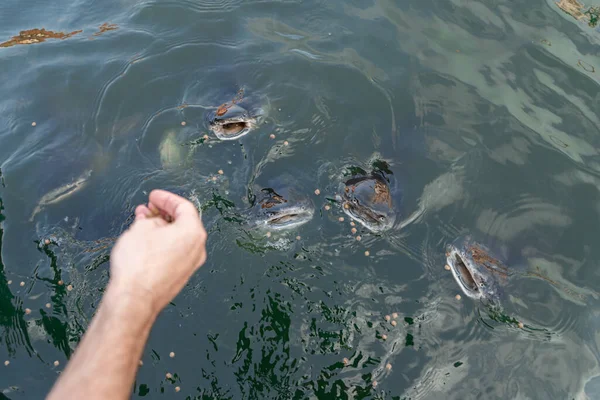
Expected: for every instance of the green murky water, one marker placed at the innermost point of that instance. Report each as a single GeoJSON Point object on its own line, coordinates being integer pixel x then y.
{"type": "Point", "coordinates": [486, 111]}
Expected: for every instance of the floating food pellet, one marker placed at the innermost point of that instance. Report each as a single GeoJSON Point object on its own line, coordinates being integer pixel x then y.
{"type": "Point", "coordinates": [387, 318]}
{"type": "Point", "coordinates": [298, 238]}
{"type": "Point", "coordinates": [374, 383]}
{"type": "Point", "coordinates": [60, 283]}
{"type": "Point", "coordinates": [48, 305]}
{"type": "Point", "coordinates": [33, 123]}
{"type": "Point", "coordinates": [168, 375]}
{"type": "Point", "coordinates": [367, 253]}
{"type": "Point", "coordinates": [272, 136]}
{"type": "Point", "coordinates": [359, 238]}
{"type": "Point", "coordinates": [27, 311]}
{"type": "Point", "coordinates": [345, 361]}
{"type": "Point", "coordinates": [317, 192]}
{"type": "Point", "coordinates": [22, 284]}
{"type": "Point", "coordinates": [341, 219]}
{"type": "Point", "coordinates": [352, 223]}
{"type": "Point", "coordinates": [141, 363]}
{"type": "Point", "coordinates": [353, 230]}
{"type": "Point", "coordinates": [177, 388]}
{"type": "Point", "coordinates": [388, 366]}
{"type": "Point", "coordinates": [205, 137]}
{"type": "Point", "coordinates": [182, 123]}
{"type": "Point", "coordinates": [220, 172]}
{"type": "Point", "coordinates": [9, 282]}
{"type": "Point", "coordinates": [394, 323]}
{"type": "Point", "coordinates": [285, 143]}
{"type": "Point", "coordinates": [70, 287]}
{"type": "Point", "coordinates": [268, 234]}
{"type": "Point", "coordinates": [214, 178]}
{"type": "Point", "coordinates": [384, 336]}
{"type": "Point", "coordinates": [47, 242]}
{"type": "Point", "coordinates": [172, 354]}
{"type": "Point", "coordinates": [395, 315]}
{"type": "Point", "coordinates": [447, 267]}
{"type": "Point", "coordinates": [6, 363]}
{"type": "Point", "coordinates": [346, 206]}
{"type": "Point", "coordinates": [56, 363]}
{"type": "Point", "coordinates": [327, 207]}
{"type": "Point", "coordinates": [457, 297]}
{"type": "Point", "coordinates": [520, 325]}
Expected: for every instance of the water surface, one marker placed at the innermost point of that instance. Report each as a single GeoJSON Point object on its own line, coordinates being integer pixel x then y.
{"type": "Point", "coordinates": [486, 112]}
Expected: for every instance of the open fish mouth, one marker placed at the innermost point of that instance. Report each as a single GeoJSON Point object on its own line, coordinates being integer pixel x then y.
{"type": "Point", "coordinates": [232, 129]}
{"type": "Point", "coordinates": [465, 274]}
{"type": "Point", "coordinates": [289, 218]}
{"type": "Point", "coordinates": [366, 217]}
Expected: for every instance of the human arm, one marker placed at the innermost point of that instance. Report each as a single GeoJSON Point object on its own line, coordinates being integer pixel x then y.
{"type": "Point", "coordinates": [150, 263]}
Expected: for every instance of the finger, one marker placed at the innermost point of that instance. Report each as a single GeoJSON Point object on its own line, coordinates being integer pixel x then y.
{"type": "Point", "coordinates": [142, 211]}
{"type": "Point", "coordinates": [175, 206]}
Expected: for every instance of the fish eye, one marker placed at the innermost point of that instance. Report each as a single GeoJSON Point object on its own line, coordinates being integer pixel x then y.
{"type": "Point", "coordinates": [354, 201]}
{"type": "Point", "coordinates": [381, 218]}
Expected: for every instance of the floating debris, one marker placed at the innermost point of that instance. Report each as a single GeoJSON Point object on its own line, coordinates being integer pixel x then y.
{"type": "Point", "coordinates": [546, 42]}
{"type": "Point", "coordinates": [105, 27]}
{"type": "Point", "coordinates": [586, 66]}
{"type": "Point", "coordinates": [32, 36]}
{"type": "Point", "coordinates": [593, 14]}
{"type": "Point", "coordinates": [571, 7]}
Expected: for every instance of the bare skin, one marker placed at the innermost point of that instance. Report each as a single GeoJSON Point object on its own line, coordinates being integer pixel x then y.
{"type": "Point", "coordinates": [150, 264]}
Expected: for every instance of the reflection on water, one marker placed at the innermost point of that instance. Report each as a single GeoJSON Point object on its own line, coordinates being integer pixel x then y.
{"type": "Point", "coordinates": [485, 113]}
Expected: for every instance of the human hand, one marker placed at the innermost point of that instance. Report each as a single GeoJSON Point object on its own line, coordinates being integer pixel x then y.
{"type": "Point", "coordinates": [153, 260]}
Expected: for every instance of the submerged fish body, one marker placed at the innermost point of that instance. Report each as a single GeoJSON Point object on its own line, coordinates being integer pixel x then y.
{"type": "Point", "coordinates": [234, 119]}
{"type": "Point", "coordinates": [61, 193]}
{"type": "Point", "coordinates": [280, 207]}
{"type": "Point", "coordinates": [476, 269]}
{"type": "Point", "coordinates": [367, 199]}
